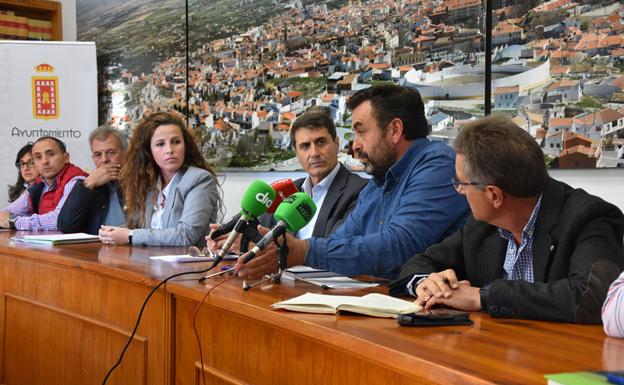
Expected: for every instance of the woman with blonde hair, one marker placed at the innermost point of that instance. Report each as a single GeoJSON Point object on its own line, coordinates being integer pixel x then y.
{"type": "Point", "coordinates": [171, 195]}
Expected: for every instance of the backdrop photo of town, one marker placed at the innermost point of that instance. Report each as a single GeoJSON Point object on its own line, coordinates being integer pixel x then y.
{"type": "Point", "coordinates": [255, 65]}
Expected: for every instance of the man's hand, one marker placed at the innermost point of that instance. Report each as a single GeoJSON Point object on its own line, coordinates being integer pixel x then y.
{"type": "Point", "coordinates": [216, 244]}
{"type": "Point", "coordinates": [464, 297]}
{"type": "Point", "coordinates": [436, 285]}
{"type": "Point", "coordinates": [267, 261]}
{"type": "Point", "coordinates": [4, 220]}
{"type": "Point", "coordinates": [102, 175]}
{"type": "Point", "coordinates": [114, 235]}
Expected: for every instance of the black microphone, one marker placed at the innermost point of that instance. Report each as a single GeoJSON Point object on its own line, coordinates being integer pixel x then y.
{"type": "Point", "coordinates": [225, 227]}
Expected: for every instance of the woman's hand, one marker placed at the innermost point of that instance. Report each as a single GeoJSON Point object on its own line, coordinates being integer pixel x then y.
{"type": "Point", "coordinates": [114, 235]}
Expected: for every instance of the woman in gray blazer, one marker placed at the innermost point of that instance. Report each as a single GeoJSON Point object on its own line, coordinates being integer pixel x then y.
{"type": "Point", "coordinates": [171, 194]}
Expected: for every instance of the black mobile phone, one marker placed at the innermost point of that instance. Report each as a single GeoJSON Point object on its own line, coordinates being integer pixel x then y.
{"type": "Point", "coordinates": [439, 317]}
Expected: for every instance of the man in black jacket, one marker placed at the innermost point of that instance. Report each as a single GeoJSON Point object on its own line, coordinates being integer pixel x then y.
{"type": "Point", "coordinates": [97, 200]}
{"type": "Point", "coordinates": [334, 188]}
{"type": "Point", "coordinates": [534, 247]}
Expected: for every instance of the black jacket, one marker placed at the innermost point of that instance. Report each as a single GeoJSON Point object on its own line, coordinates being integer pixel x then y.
{"type": "Point", "coordinates": [340, 200]}
{"type": "Point", "coordinates": [577, 253]}
{"type": "Point", "coordinates": [85, 209]}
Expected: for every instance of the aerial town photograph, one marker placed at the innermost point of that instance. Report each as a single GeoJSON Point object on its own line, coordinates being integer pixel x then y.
{"type": "Point", "coordinates": [253, 66]}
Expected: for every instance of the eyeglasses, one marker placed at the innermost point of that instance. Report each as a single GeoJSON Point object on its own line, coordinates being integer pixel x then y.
{"type": "Point", "coordinates": [459, 186]}
{"type": "Point", "coordinates": [29, 164]}
{"type": "Point", "coordinates": [194, 251]}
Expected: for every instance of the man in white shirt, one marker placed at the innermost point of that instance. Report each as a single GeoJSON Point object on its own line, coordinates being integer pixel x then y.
{"type": "Point", "coordinates": [333, 188]}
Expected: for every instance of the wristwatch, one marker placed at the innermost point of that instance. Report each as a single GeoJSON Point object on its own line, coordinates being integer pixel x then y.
{"type": "Point", "coordinates": [12, 219]}
{"type": "Point", "coordinates": [130, 237]}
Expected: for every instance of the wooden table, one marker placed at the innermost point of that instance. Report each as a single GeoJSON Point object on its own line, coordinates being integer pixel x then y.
{"type": "Point", "coordinates": [69, 309]}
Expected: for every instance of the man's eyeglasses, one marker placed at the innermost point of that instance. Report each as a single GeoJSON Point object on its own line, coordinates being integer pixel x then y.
{"type": "Point", "coordinates": [29, 164]}
{"type": "Point", "coordinates": [459, 186]}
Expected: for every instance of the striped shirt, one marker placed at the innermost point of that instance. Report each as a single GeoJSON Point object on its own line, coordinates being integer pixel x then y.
{"type": "Point", "coordinates": [519, 259]}
{"type": "Point", "coordinates": [28, 220]}
{"type": "Point", "coordinates": [613, 309]}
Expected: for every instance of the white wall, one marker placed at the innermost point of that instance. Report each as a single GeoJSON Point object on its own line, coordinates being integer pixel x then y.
{"type": "Point", "coordinates": [69, 19]}
{"type": "Point", "coordinates": [606, 183]}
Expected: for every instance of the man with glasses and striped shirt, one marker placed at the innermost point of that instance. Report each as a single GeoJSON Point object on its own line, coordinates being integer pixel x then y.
{"type": "Point", "coordinates": [534, 248]}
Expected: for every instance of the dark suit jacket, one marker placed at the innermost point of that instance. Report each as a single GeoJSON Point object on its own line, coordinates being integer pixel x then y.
{"type": "Point", "coordinates": [577, 253]}
{"type": "Point", "coordinates": [85, 209]}
{"type": "Point", "coordinates": [340, 200]}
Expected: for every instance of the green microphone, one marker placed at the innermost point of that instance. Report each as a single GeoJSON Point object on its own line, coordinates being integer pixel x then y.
{"type": "Point", "coordinates": [256, 200]}
{"type": "Point", "coordinates": [292, 214]}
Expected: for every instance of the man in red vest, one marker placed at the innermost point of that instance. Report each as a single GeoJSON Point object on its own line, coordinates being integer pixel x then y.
{"type": "Point", "coordinates": [39, 209]}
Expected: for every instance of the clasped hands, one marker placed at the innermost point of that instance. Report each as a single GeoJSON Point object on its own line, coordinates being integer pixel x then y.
{"type": "Point", "coordinates": [443, 288]}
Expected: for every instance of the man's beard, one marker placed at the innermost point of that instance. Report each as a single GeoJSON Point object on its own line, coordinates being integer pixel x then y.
{"type": "Point", "coordinates": [385, 157]}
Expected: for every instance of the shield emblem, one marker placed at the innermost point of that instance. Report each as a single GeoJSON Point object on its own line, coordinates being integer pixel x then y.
{"type": "Point", "coordinates": [45, 97]}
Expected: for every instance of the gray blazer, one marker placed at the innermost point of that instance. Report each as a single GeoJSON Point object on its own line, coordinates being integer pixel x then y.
{"type": "Point", "coordinates": [193, 204]}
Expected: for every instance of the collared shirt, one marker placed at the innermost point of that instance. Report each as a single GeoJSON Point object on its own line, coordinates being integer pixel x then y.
{"type": "Point", "coordinates": [115, 215]}
{"type": "Point", "coordinates": [519, 259]}
{"type": "Point", "coordinates": [413, 206]}
{"type": "Point", "coordinates": [613, 309]}
{"type": "Point", "coordinates": [318, 194]}
{"type": "Point", "coordinates": [161, 201]}
{"type": "Point", "coordinates": [28, 220]}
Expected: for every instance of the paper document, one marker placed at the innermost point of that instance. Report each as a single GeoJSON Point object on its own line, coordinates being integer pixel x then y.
{"type": "Point", "coordinates": [309, 272]}
{"type": "Point", "coordinates": [183, 258]}
{"type": "Point", "coordinates": [57, 239]}
{"type": "Point", "coordinates": [323, 278]}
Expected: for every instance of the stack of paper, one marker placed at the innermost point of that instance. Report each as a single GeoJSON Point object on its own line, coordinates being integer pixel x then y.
{"type": "Point", "coordinates": [58, 239]}
{"type": "Point", "coordinates": [323, 278]}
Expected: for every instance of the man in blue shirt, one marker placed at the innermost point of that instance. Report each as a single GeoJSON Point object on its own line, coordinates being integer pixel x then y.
{"type": "Point", "coordinates": [408, 205]}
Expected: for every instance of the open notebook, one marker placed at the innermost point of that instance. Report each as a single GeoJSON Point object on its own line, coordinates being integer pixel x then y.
{"type": "Point", "coordinates": [375, 304]}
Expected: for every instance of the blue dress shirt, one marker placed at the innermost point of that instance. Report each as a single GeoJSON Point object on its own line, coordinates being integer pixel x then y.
{"type": "Point", "coordinates": [412, 207]}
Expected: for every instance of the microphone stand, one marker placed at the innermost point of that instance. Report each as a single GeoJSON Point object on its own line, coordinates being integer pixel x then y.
{"type": "Point", "coordinates": [249, 234]}
{"type": "Point", "coordinates": [282, 262]}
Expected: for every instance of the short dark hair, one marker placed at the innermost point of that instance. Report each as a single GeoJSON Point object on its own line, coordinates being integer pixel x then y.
{"type": "Point", "coordinates": [58, 142]}
{"type": "Point", "coordinates": [498, 152]}
{"type": "Point", "coordinates": [104, 131]}
{"type": "Point", "coordinates": [314, 118]}
{"type": "Point", "coordinates": [390, 102]}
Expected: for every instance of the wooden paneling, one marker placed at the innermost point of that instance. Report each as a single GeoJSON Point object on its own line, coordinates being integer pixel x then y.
{"type": "Point", "coordinates": [66, 322]}
{"type": "Point", "coordinates": [53, 335]}
{"type": "Point", "coordinates": [67, 311]}
{"type": "Point", "coordinates": [254, 352]}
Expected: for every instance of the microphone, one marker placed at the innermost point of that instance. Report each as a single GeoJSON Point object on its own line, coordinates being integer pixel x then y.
{"type": "Point", "coordinates": [256, 200]}
{"type": "Point", "coordinates": [283, 189]}
{"type": "Point", "coordinates": [292, 214]}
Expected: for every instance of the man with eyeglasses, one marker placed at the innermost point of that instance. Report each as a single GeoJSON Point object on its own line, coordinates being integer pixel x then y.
{"type": "Point", "coordinates": [38, 209]}
{"type": "Point", "coordinates": [97, 200]}
{"type": "Point", "coordinates": [534, 247]}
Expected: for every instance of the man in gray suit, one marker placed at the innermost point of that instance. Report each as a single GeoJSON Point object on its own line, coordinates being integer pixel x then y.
{"type": "Point", "coordinates": [333, 188]}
